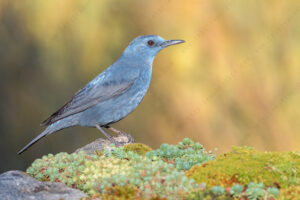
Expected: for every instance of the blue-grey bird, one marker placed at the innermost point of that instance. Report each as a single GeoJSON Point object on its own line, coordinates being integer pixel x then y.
{"type": "Point", "coordinates": [113, 94]}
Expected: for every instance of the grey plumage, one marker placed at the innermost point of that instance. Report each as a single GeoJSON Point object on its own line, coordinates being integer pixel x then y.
{"type": "Point", "coordinates": [114, 93]}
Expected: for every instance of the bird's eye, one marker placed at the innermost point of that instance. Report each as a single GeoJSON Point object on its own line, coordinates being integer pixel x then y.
{"type": "Point", "coordinates": [150, 43]}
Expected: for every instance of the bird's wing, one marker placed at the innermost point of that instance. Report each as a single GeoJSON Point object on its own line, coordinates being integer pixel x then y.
{"type": "Point", "coordinates": [103, 87]}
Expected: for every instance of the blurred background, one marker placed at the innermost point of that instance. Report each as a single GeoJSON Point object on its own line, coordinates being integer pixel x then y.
{"type": "Point", "coordinates": [236, 80]}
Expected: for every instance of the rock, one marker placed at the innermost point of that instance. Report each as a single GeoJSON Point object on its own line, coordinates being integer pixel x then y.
{"type": "Point", "coordinates": [99, 143]}
{"type": "Point", "coordinates": [15, 185]}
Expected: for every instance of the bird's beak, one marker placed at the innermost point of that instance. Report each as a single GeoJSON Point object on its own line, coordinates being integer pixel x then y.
{"type": "Point", "coordinates": [171, 42]}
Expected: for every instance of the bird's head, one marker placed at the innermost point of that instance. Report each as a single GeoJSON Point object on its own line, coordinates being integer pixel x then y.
{"type": "Point", "coordinates": [147, 46]}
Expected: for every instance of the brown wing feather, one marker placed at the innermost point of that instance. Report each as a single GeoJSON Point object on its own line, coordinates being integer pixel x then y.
{"type": "Point", "coordinates": [48, 121]}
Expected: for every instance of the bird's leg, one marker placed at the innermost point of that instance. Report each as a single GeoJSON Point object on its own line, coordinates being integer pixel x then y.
{"type": "Point", "coordinates": [114, 130]}
{"type": "Point", "coordinates": [130, 139]}
{"type": "Point", "coordinates": [111, 139]}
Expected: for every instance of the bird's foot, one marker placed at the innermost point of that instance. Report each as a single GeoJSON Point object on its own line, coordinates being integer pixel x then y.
{"type": "Point", "coordinates": [124, 138]}
{"type": "Point", "coordinates": [114, 141]}
{"type": "Point", "coordinates": [128, 136]}
{"type": "Point", "coordinates": [111, 139]}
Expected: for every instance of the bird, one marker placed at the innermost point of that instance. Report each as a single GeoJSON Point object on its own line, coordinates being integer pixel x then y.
{"type": "Point", "coordinates": [113, 94]}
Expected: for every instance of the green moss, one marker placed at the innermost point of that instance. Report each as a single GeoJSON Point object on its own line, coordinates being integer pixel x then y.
{"type": "Point", "coordinates": [244, 165]}
{"type": "Point", "coordinates": [291, 193]}
{"type": "Point", "coordinates": [207, 195]}
{"type": "Point", "coordinates": [137, 172]}
{"type": "Point", "coordinates": [254, 191]}
{"type": "Point", "coordinates": [236, 190]}
{"type": "Point", "coordinates": [113, 172]}
{"type": "Point", "coordinates": [120, 193]}
{"type": "Point", "coordinates": [184, 155]}
{"type": "Point", "coordinates": [218, 190]}
{"type": "Point", "coordinates": [138, 148]}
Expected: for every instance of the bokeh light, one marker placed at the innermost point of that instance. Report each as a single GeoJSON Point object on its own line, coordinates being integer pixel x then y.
{"type": "Point", "coordinates": [236, 80]}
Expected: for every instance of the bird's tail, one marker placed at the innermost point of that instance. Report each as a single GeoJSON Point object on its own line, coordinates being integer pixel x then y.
{"type": "Point", "coordinates": [49, 130]}
{"type": "Point", "coordinates": [40, 136]}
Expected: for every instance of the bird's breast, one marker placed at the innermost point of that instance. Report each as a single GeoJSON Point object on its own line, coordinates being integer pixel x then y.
{"type": "Point", "coordinates": [138, 90]}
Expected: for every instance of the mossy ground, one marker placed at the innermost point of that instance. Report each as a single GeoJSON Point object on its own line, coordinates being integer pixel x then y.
{"type": "Point", "coordinates": [138, 148]}
{"type": "Point", "coordinates": [244, 165]}
{"type": "Point", "coordinates": [182, 171]}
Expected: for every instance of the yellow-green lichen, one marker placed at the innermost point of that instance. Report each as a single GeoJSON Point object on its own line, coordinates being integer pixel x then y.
{"type": "Point", "coordinates": [244, 165]}
{"type": "Point", "coordinates": [291, 193]}
{"type": "Point", "coordinates": [120, 193]}
{"type": "Point", "coordinates": [138, 148]}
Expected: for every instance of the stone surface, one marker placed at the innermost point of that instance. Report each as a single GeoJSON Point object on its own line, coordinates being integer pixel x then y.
{"type": "Point", "coordinates": [99, 143]}
{"type": "Point", "coordinates": [15, 185]}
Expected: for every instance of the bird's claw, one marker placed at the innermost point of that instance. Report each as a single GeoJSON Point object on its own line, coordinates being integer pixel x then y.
{"type": "Point", "coordinates": [130, 138]}
{"type": "Point", "coordinates": [123, 138]}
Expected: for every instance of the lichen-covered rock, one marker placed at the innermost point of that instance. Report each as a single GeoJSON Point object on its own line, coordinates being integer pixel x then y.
{"type": "Point", "coordinates": [107, 174]}
{"type": "Point", "coordinates": [15, 185]}
{"type": "Point", "coordinates": [182, 171]}
{"type": "Point", "coordinates": [134, 167]}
